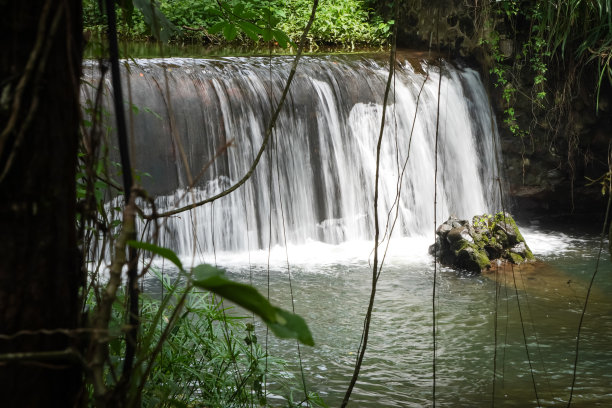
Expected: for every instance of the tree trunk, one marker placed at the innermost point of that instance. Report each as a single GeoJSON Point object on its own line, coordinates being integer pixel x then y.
{"type": "Point", "coordinates": [40, 270]}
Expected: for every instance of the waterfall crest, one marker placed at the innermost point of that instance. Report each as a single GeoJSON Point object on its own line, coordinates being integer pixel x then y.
{"type": "Point", "coordinates": [315, 182]}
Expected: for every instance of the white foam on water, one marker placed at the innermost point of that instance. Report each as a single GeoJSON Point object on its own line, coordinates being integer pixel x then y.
{"type": "Point", "coordinates": [315, 255]}
{"type": "Point", "coordinates": [548, 243]}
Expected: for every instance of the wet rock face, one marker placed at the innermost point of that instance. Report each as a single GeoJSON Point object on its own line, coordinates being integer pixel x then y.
{"type": "Point", "coordinates": [449, 21]}
{"type": "Point", "coordinates": [473, 246]}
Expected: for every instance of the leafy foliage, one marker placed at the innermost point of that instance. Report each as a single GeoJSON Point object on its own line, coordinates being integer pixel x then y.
{"type": "Point", "coordinates": [190, 351]}
{"type": "Point", "coordinates": [284, 324]}
{"type": "Point", "coordinates": [339, 22]}
{"type": "Point", "coordinates": [209, 358]}
{"type": "Point", "coordinates": [345, 22]}
{"type": "Point", "coordinates": [554, 29]}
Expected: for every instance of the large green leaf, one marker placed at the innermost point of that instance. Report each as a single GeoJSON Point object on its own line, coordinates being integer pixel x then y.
{"type": "Point", "coordinates": [157, 250]}
{"type": "Point", "coordinates": [267, 34]}
{"type": "Point", "coordinates": [217, 27]}
{"type": "Point", "coordinates": [250, 29]}
{"type": "Point", "coordinates": [283, 323]}
{"type": "Point", "coordinates": [229, 31]}
{"type": "Point", "coordinates": [281, 38]}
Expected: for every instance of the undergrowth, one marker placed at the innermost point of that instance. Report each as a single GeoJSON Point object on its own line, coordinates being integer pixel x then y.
{"type": "Point", "coordinates": [342, 22]}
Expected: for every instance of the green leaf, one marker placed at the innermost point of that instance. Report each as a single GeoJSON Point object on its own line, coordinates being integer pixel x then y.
{"type": "Point", "coordinates": [283, 323]}
{"type": "Point", "coordinates": [157, 250]}
{"type": "Point", "coordinates": [238, 9]}
{"type": "Point", "coordinates": [226, 7]}
{"type": "Point", "coordinates": [269, 18]}
{"type": "Point", "coordinates": [217, 27]}
{"type": "Point", "coordinates": [267, 34]}
{"type": "Point", "coordinates": [152, 112]}
{"type": "Point", "coordinates": [127, 6]}
{"type": "Point", "coordinates": [251, 30]}
{"type": "Point", "coordinates": [213, 12]}
{"type": "Point", "coordinates": [230, 32]}
{"type": "Point", "coordinates": [281, 38]}
{"type": "Point", "coordinates": [291, 326]}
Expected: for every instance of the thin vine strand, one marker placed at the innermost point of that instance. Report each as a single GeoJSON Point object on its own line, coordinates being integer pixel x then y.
{"type": "Point", "coordinates": [375, 276]}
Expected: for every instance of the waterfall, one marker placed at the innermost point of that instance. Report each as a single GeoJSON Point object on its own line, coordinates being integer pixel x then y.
{"type": "Point", "coordinates": [315, 182]}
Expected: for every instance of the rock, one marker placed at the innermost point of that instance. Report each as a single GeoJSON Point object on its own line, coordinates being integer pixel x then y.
{"type": "Point", "coordinates": [472, 260]}
{"type": "Point", "coordinates": [506, 47]}
{"type": "Point", "coordinates": [519, 248]}
{"type": "Point", "coordinates": [458, 234]}
{"type": "Point", "coordinates": [444, 229]}
{"type": "Point", "coordinates": [472, 246]}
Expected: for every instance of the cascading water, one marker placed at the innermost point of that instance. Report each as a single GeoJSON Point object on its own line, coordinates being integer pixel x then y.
{"type": "Point", "coordinates": [316, 180]}
{"type": "Point", "coordinates": [315, 183]}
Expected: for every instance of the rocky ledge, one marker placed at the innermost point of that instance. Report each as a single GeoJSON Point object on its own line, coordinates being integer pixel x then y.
{"type": "Point", "coordinates": [473, 246]}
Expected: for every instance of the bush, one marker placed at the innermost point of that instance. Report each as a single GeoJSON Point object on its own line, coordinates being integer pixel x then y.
{"type": "Point", "coordinates": [342, 22]}
{"type": "Point", "coordinates": [345, 22]}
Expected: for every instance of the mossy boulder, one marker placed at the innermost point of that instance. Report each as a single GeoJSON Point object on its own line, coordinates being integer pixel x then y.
{"type": "Point", "coordinates": [473, 246]}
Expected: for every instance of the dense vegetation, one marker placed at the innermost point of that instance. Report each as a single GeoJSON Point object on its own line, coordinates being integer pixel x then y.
{"type": "Point", "coordinates": [344, 22]}
{"type": "Point", "coordinates": [188, 351]}
{"type": "Point", "coordinates": [551, 64]}
{"type": "Point", "coordinates": [533, 42]}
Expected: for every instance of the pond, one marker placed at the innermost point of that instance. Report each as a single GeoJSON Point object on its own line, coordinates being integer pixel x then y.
{"type": "Point", "coordinates": [331, 285]}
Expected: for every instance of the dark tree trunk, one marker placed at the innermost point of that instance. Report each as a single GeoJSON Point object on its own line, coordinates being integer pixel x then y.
{"type": "Point", "coordinates": [40, 271]}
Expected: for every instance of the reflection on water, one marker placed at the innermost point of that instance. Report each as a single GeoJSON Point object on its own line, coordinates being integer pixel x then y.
{"type": "Point", "coordinates": [397, 370]}
{"type": "Point", "coordinates": [145, 49]}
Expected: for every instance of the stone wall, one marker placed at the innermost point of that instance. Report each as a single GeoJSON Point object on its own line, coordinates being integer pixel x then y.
{"type": "Point", "coordinates": [421, 23]}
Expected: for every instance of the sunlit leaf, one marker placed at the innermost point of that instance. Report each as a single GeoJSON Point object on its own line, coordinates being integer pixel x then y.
{"type": "Point", "coordinates": [283, 323]}
{"type": "Point", "coordinates": [157, 250]}
{"type": "Point", "coordinates": [281, 38]}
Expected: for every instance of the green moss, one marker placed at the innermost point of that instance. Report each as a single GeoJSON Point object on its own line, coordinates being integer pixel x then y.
{"type": "Point", "coordinates": [493, 236]}
{"type": "Point", "coordinates": [482, 259]}
{"type": "Point", "coordinates": [515, 258]}
{"type": "Point", "coordinates": [501, 238]}
{"type": "Point", "coordinates": [478, 241]}
{"type": "Point", "coordinates": [460, 245]}
{"type": "Point", "coordinates": [507, 218]}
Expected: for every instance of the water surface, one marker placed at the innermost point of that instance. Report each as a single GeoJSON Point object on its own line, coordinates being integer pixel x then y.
{"type": "Point", "coordinates": [331, 287]}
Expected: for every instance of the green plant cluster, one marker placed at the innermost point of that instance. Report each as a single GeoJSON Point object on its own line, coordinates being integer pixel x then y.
{"type": "Point", "coordinates": [567, 35]}
{"type": "Point", "coordinates": [343, 22]}
{"type": "Point", "coordinates": [346, 22]}
{"type": "Point", "coordinates": [210, 358]}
